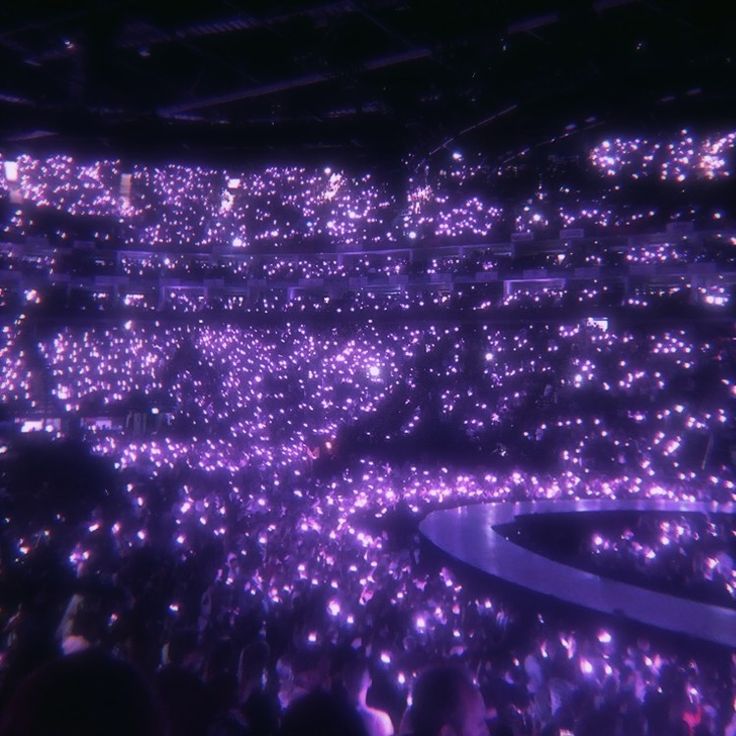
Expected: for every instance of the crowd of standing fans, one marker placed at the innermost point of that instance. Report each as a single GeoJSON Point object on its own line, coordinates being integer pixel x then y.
{"type": "Point", "coordinates": [259, 536]}
{"type": "Point", "coordinates": [211, 529]}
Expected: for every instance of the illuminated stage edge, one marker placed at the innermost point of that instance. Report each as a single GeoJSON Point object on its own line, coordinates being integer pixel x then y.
{"type": "Point", "coordinates": [467, 534]}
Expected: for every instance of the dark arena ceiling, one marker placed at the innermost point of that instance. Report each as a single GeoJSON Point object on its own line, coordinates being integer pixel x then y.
{"type": "Point", "coordinates": [354, 78]}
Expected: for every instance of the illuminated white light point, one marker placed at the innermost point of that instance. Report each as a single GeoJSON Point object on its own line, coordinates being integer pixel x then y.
{"type": "Point", "coordinates": [334, 608]}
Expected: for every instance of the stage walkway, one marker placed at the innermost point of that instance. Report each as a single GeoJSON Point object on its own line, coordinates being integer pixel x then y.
{"type": "Point", "coordinates": [467, 533]}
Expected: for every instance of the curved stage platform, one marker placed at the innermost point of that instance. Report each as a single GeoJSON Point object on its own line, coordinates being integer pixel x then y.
{"type": "Point", "coordinates": [467, 534]}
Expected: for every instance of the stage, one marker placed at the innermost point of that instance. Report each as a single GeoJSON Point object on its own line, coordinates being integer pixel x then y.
{"type": "Point", "coordinates": [467, 534]}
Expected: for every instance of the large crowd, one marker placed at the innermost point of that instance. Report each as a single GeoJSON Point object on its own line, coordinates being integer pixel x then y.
{"type": "Point", "coordinates": [683, 554]}
{"type": "Point", "coordinates": [445, 288]}
{"type": "Point", "coordinates": [219, 520]}
{"type": "Point", "coordinates": [588, 391]}
{"type": "Point", "coordinates": [268, 507]}
{"type": "Point", "coordinates": [682, 157]}
{"type": "Point", "coordinates": [453, 198]}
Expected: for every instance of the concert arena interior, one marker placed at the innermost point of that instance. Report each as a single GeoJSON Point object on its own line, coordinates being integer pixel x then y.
{"type": "Point", "coordinates": [367, 367]}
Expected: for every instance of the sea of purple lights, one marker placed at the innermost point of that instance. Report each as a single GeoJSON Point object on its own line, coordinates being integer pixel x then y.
{"type": "Point", "coordinates": [470, 299]}
{"type": "Point", "coordinates": [291, 269]}
{"type": "Point", "coordinates": [389, 285]}
{"type": "Point", "coordinates": [255, 429]}
{"type": "Point", "coordinates": [687, 156]}
{"type": "Point", "coordinates": [261, 408]}
{"type": "Point", "coordinates": [690, 553]}
{"type": "Point", "coordinates": [293, 385]}
{"type": "Point", "coordinates": [284, 206]}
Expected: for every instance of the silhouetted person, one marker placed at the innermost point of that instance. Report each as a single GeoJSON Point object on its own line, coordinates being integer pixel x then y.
{"type": "Point", "coordinates": [185, 702]}
{"type": "Point", "coordinates": [86, 694]}
{"type": "Point", "coordinates": [322, 714]}
{"type": "Point", "coordinates": [357, 680]}
{"type": "Point", "coordinates": [446, 702]}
